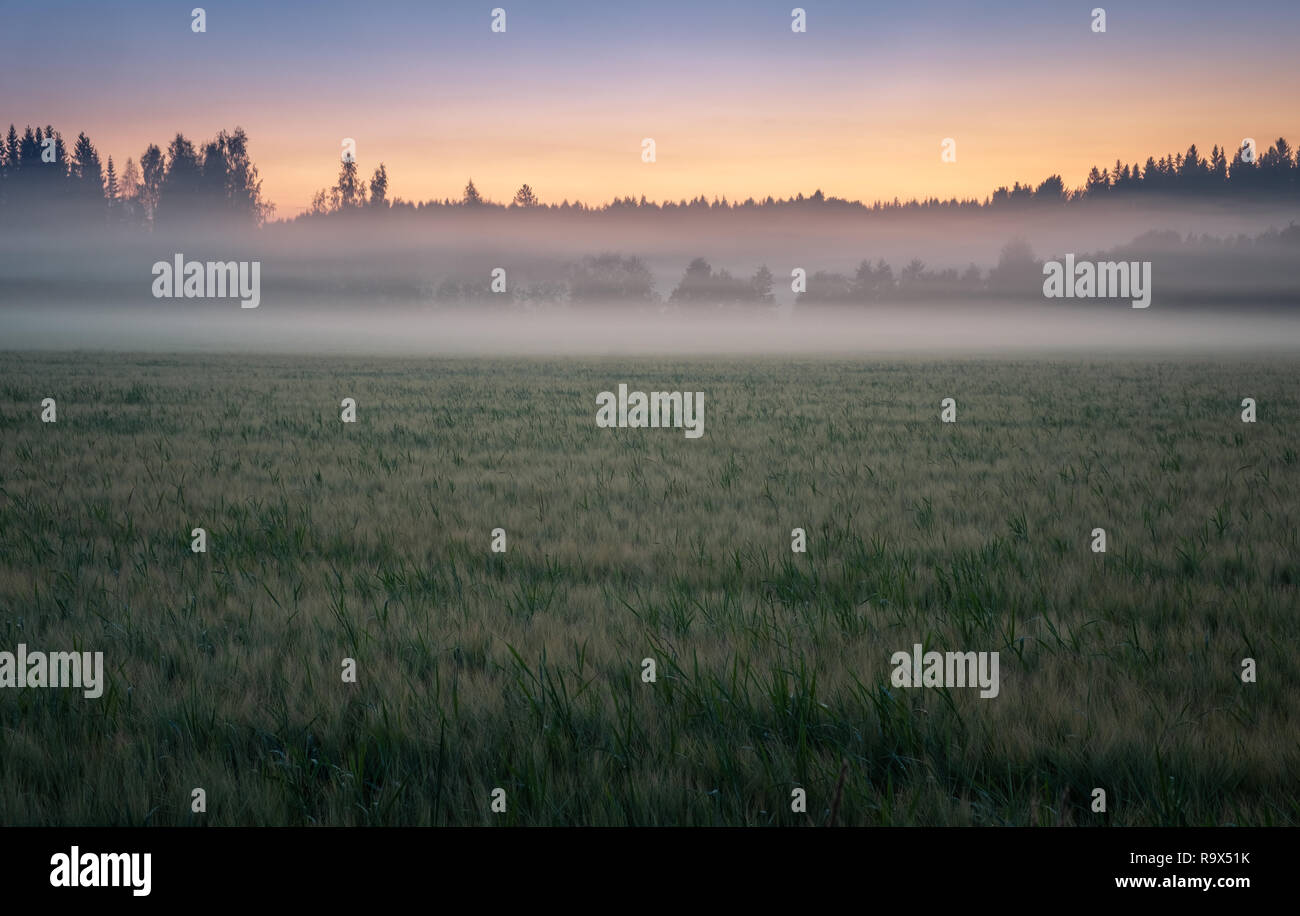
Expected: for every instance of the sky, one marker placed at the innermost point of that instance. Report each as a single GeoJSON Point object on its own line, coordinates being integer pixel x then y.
{"type": "Point", "coordinates": [737, 103]}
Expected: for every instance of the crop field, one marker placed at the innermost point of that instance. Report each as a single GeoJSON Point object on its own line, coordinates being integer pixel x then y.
{"type": "Point", "coordinates": [525, 670]}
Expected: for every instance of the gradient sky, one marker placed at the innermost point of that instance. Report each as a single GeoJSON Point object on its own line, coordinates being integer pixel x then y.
{"type": "Point", "coordinates": [737, 104]}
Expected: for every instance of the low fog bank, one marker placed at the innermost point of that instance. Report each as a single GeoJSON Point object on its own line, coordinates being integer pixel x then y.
{"type": "Point", "coordinates": [1199, 254]}
{"type": "Point", "coordinates": [1099, 331]}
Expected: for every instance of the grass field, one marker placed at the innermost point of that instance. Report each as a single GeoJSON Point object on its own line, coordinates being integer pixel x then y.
{"type": "Point", "coordinates": [478, 670]}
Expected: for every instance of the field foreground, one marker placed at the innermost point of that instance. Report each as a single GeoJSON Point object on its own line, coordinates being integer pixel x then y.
{"type": "Point", "coordinates": [523, 670]}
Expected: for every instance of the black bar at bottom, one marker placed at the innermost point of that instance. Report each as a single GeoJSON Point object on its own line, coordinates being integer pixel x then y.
{"type": "Point", "coordinates": [335, 865]}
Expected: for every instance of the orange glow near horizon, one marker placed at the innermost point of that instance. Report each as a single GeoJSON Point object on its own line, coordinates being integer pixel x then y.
{"type": "Point", "coordinates": [734, 159]}
{"type": "Point", "coordinates": [858, 127]}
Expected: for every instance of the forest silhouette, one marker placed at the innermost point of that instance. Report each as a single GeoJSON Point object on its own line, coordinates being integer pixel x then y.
{"type": "Point", "coordinates": [216, 182]}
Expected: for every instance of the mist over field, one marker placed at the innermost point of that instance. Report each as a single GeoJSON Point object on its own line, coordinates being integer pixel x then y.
{"type": "Point", "coordinates": [1223, 277]}
{"type": "Point", "coordinates": [358, 327]}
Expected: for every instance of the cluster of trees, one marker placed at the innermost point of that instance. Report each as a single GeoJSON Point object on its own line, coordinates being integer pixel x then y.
{"type": "Point", "coordinates": [349, 191]}
{"type": "Point", "coordinates": [1018, 273]}
{"type": "Point", "coordinates": [50, 184]}
{"type": "Point", "coordinates": [614, 278]}
{"type": "Point", "coordinates": [40, 176]}
{"type": "Point", "coordinates": [1275, 171]}
{"type": "Point", "coordinates": [701, 283]}
{"type": "Point", "coordinates": [610, 277]}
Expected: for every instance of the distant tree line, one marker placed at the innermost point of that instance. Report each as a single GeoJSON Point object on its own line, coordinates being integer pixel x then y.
{"type": "Point", "coordinates": [1274, 173]}
{"type": "Point", "coordinates": [626, 280]}
{"type": "Point", "coordinates": [216, 181]}
{"type": "Point", "coordinates": [1191, 268]}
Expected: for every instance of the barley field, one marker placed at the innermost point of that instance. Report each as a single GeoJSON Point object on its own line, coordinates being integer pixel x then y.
{"type": "Point", "coordinates": [523, 670]}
